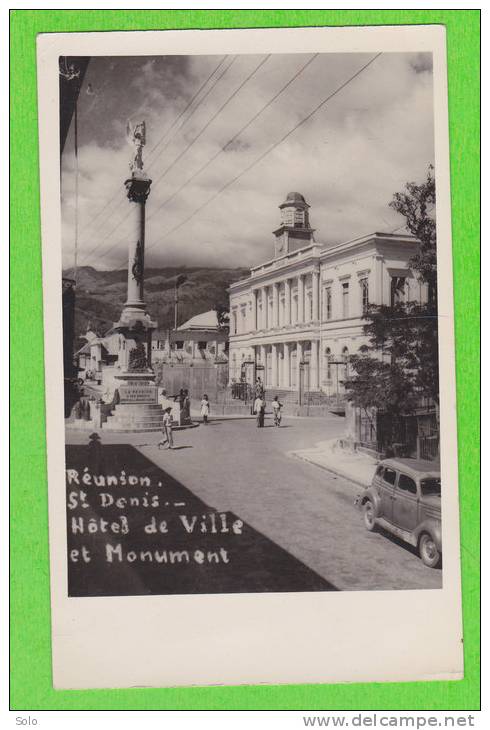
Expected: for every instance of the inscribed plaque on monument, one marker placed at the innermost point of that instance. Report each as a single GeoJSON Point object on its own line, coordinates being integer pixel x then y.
{"type": "Point", "coordinates": [250, 351]}
{"type": "Point", "coordinates": [138, 392]}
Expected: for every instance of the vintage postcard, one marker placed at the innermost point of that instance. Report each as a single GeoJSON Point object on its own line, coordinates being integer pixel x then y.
{"type": "Point", "coordinates": [249, 356]}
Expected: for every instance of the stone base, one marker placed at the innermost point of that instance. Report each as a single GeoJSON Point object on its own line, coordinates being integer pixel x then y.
{"type": "Point", "coordinates": [135, 417]}
{"type": "Point", "coordinates": [133, 319]}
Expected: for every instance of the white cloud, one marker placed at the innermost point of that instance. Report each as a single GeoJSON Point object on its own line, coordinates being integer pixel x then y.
{"type": "Point", "coordinates": [347, 160]}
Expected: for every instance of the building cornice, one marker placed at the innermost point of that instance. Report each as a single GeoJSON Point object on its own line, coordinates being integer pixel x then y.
{"type": "Point", "coordinates": [311, 256]}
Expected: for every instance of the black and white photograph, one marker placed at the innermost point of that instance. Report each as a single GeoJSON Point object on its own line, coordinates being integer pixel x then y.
{"type": "Point", "coordinates": [250, 311]}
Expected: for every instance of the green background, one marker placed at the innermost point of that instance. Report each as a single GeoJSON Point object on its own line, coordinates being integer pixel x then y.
{"type": "Point", "coordinates": [31, 687]}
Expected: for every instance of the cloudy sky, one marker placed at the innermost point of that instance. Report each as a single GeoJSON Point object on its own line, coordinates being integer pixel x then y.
{"type": "Point", "coordinates": [347, 160]}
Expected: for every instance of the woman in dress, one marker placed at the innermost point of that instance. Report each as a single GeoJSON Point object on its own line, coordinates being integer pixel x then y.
{"type": "Point", "coordinates": [205, 409]}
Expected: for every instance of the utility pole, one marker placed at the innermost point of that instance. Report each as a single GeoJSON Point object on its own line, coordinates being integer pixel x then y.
{"type": "Point", "coordinates": [75, 257]}
{"type": "Point", "coordinates": [181, 279]}
{"type": "Point", "coordinates": [72, 74]}
{"type": "Point", "coordinates": [176, 304]}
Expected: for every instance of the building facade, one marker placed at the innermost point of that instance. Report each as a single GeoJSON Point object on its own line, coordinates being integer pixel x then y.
{"type": "Point", "coordinates": [199, 340]}
{"type": "Point", "coordinates": [297, 318]}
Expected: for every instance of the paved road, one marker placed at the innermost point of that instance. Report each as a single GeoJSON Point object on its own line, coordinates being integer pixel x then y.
{"type": "Point", "coordinates": [232, 465]}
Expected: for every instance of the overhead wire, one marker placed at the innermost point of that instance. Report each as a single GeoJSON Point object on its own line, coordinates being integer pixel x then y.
{"type": "Point", "coordinates": [270, 149]}
{"type": "Point", "coordinates": [215, 115]}
{"type": "Point", "coordinates": [235, 136]}
{"type": "Point", "coordinates": [126, 215]}
{"type": "Point", "coordinates": [115, 195]}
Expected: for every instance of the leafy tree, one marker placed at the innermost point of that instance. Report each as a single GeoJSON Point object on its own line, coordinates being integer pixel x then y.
{"type": "Point", "coordinates": [417, 204]}
{"type": "Point", "coordinates": [221, 307]}
{"type": "Point", "coordinates": [400, 365]}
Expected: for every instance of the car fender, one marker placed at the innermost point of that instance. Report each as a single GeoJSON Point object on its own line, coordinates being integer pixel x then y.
{"type": "Point", "coordinates": [373, 496]}
{"type": "Point", "coordinates": [433, 527]}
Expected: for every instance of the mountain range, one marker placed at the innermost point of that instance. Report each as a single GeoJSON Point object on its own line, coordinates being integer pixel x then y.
{"type": "Point", "coordinates": [100, 295]}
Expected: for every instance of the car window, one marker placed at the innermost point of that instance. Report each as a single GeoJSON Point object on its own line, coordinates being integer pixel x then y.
{"type": "Point", "coordinates": [431, 486]}
{"type": "Point", "coordinates": [389, 476]}
{"type": "Point", "coordinates": [407, 484]}
{"type": "Point", "coordinates": [379, 471]}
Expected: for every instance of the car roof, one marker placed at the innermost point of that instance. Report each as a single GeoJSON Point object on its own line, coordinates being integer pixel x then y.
{"type": "Point", "coordinates": [415, 467]}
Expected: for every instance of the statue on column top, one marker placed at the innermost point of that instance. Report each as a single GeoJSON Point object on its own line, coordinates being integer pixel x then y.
{"type": "Point", "coordinates": [136, 137]}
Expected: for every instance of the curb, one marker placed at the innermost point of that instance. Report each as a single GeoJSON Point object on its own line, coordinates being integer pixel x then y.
{"type": "Point", "coordinates": [337, 472]}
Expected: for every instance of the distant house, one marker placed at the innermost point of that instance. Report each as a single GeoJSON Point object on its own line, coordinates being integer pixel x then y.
{"type": "Point", "coordinates": [199, 339]}
{"type": "Point", "coordinates": [98, 353]}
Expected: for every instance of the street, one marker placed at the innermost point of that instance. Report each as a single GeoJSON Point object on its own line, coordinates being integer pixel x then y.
{"type": "Point", "coordinates": [233, 466]}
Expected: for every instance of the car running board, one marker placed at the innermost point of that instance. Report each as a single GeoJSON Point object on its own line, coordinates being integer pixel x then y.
{"type": "Point", "coordinates": [403, 534]}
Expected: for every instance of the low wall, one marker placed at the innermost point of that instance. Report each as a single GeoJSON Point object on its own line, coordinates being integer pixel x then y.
{"type": "Point", "coordinates": [197, 379]}
{"type": "Point", "coordinates": [239, 408]}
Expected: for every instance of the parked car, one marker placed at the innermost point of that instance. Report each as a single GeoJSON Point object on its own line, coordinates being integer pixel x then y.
{"type": "Point", "coordinates": [405, 499]}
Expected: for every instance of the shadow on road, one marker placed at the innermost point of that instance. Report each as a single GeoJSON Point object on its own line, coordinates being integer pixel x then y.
{"type": "Point", "coordinates": [174, 542]}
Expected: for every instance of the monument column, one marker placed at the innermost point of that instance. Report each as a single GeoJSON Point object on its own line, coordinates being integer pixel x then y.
{"type": "Point", "coordinates": [137, 408]}
{"type": "Point", "coordinates": [138, 189]}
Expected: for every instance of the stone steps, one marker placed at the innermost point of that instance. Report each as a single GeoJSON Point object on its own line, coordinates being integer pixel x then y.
{"type": "Point", "coordinates": [128, 417]}
{"type": "Point", "coordinates": [139, 407]}
{"type": "Point", "coordinates": [140, 429]}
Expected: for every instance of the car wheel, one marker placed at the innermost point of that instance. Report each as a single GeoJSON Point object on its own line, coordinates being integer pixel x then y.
{"type": "Point", "coordinates": [428, 551]}
{"type": "Point", "coordinates": [369, 518]}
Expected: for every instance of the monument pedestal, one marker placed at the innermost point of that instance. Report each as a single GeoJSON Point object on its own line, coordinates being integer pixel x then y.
{"type": "Point", "coordinates": [138, 408]}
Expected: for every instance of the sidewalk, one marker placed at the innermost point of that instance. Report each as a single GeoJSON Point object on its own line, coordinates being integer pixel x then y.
{"type": "Point", "coordinates": [359, 468]}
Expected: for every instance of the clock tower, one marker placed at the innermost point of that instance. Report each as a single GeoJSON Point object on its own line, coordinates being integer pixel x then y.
{"type": "Point", "coordinates": [294, 231]}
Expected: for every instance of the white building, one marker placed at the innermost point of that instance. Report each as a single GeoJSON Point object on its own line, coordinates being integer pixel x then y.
{"type": "Point", "coordinates": [298, 316]}
{"type": "Point", "coordinates": [200, 339]}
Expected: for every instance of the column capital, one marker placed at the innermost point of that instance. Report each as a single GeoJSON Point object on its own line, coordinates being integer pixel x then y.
{"type": "Point", "coordinates": [138, 189]}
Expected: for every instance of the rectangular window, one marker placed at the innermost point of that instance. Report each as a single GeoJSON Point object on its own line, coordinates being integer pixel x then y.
{"type": "Point", "coordinates": [397, 290]}
{"type": "Point", "coordinates": [364, 283]}
{"type": "Point", "coordinates": [179, 344]}
{"type": "Point", "coordinates": [345, 300]}
{"type": "Point", "coordinates": [234, 323]}
{"type": "Point", "coordinates": [201, 345]}
{"type": "Point", "coordinates": [328, 302]}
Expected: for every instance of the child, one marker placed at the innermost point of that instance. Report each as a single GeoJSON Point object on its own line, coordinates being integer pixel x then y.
{"type": "Point", "coordinates": [205, 409]}
{"type": "Point", "coordinates": [167, 429]}
{"type": "Point", "coordinates": [259, 410]}
{"type": "Point", "coordinates": [276, 409]}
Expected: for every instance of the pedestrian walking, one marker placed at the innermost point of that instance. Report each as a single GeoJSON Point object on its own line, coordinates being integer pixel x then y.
{"type": "Point", "coordinates": [205, 409]}
{"type": "Point", "coordinates": [186, 407]}
{"type": "Point", "coordinates": [276, 409]}
{"type": "Point", "coordinates": [168, 439]}
{"type": "Point", "coordinates": [259, 410]}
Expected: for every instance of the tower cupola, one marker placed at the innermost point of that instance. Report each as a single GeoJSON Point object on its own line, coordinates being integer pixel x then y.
{"type": "Point", "coordinates": [295, 231]}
